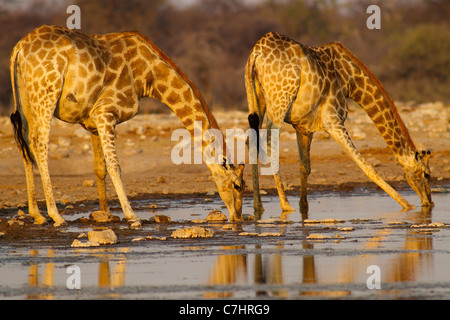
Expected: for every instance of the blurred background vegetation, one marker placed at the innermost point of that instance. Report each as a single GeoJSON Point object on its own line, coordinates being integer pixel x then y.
{"type": "Point", "coordinates": [211, 39]}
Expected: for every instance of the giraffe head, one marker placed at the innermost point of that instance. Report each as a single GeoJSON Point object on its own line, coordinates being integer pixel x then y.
{"type": "Point", "coordinates": [417, 173]}
{"type": "Point", "coordinates": [230, 185]}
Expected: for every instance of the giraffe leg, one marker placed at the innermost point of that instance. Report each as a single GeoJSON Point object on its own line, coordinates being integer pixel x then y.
{"type": "Point", "coordinates": [39, 147]}
{"type": "Point", "coordinates": [254, 122]}
{"type": "Point", "coordinates": [257, 204]}
{"type": "Point", "coordinates": [304, 146]}
{"type": "Point", "coordinates": [285, 206]}
{"type": "Point", "coordinates": [100, 171]}
{"type": "Point", "coordinates": [33, 209]}
{"type": "Point", "coordinates": [341, 136]}
{"type": "Point", "coordinates": [106, 132]}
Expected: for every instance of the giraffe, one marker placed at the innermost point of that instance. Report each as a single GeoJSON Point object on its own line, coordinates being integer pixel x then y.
{"type": "Point", "coordinates": [307, 87]}
{"type": "Point", "coordinates": [97, 81]}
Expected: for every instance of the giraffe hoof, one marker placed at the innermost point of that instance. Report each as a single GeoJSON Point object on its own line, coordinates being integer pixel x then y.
{"type": "Point", "coordinates": [258, 208]}
{"type": "Point", "coordinates": [60, 223]}
{"type": "Point", "coordinates": [236, 218]}
{"type": "Point", "coordinates": [135, 224]}
{"type": "Point", "coordinates": [40, 221]}
{"type": "Point", "coordinates": [408, 207]}
{"type": "Point", "coordinates": [287, 208]}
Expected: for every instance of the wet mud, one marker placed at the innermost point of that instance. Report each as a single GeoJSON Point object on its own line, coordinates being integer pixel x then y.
{"type": "Point", "coordinates": [325, 255]}
{"type": "Point", "coordinates": [283, 256]}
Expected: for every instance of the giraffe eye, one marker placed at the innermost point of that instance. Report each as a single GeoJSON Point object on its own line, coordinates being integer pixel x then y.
{"type": "Point", "coordinates": [426, 175]}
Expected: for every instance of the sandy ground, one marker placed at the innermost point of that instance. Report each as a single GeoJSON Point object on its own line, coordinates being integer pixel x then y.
{"type": "Point", "coordinates": [35, 258]}
{"type": "Point", "coordinates": [145, 146]}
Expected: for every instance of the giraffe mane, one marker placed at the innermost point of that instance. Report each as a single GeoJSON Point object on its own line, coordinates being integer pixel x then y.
{"type": "Point", "coordinates": [171, 63]}
{"type": "Point", "coordinates": [380, 87]}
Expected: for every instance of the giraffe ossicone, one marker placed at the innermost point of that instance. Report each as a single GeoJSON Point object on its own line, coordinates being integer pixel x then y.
{"type": "Point", "coordinates": [307, 87]}
{"type": "Point", "coordinates": [97, 81]}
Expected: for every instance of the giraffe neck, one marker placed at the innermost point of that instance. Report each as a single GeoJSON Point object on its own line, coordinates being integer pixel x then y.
{"type": "Point", "coordinates": [364, 88]}
{"type": "Point", "coordinates": [168, 84]}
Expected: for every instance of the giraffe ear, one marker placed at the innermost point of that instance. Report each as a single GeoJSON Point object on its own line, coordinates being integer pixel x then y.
{"type": "Point", "coordinates": [240, 169]}
{"type": "Point", "coordinates": [423, 156]}
{"type": "Point", "coordinates": [426, 154]}
{"type": "Point", "coordinates": [225, 165]}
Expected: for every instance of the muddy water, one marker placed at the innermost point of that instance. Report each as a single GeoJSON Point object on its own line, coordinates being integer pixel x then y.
{"type": "Point", "coordinates": [409, 262]}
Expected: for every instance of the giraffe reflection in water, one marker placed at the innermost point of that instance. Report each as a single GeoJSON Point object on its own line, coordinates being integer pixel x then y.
{"type": "Point", "coordinates": [268, 269]}
{"type": "Point", "coordinates": [270, 272]}
{"type": "Point", "coordinates": [108, 276]}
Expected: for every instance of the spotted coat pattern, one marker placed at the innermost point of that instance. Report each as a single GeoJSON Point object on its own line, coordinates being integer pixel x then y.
{"type": "Point", "coordinates": [97, 81]}
{"type": "Point", "coordinates": [307, 87]}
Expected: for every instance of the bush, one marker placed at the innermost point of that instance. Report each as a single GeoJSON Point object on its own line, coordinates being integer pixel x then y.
{"type": "Point", "coordinates": [419, 64]}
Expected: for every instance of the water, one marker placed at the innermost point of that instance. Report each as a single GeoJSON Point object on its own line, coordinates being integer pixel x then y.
{"type": "Point", "coordinates": [412, 263]}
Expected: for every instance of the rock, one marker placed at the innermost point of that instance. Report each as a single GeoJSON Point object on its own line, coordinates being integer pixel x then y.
{"type": "Point", "coordinates": [52, 147]}
{"type": "Point", "coordinates": [441, 190]}
{"type": "Point", "coordinates": [198, 221]}
{"type": "Point", "coordinates": [311, 221]}
{"type": "Point", "coordinates": [375, 162]}
{"type": "Point", "coordinates": [346, 229]}
{"type": "Point", "coordinates": [271, 220]}
{"type": "Point", "coordinates": [161, 180]}
{"type": "Point", "coordinates": [129, 144]}
{"type": "Point", "coordinates": [216, 215]}
{"type": "Point", "coordinates": [262, 234]}
{"type": "Point", "coordinates": [317, 236]}
{"type": "Point", "coordinates": [79, 244]}
{"type": "Point", "coordinates": [64, 142]}
{"type": "Point", "coordinates": [194, 232]}
{"type": "Point", "coordinates": [428, 230]}
{"type": "Point", "coordinates": [270, 234]}
{"type": "Point", "coordinates": [332, 221]}
{"type": "Point", "coordinates": [103, 236]}
{"type": "Point", "coordinates": [251, 234]}
{"type": "Point", "coordinates": [15, 221]}
{"type": "Point", "coordinates": [100, 216]}
{"type": "Point", "coordinates": [114, 218]}
{"type": "Point", "coordinates": [149, 238]}
{"type": "Point", "coordinates": [153, 206]}
{"type": "Point", "coordinates": [88, 183]}
{"type": "Point", "coordinates": [66, 199]}
{"type": "Point", "coordinates": [132, 151]}
{"type": "Point", "coordinates": [103, 216]}
{"type": "Point", "coordinates": [429, 225]}
{"type": "Point", "coordinates": [397, 223]}
{"type": "Point", "coordinates": [361, 220]}
{"type": "Point", "coordinates": [436, 225]}
{"type": "Point", "coordinates": [248, 217]}
{"type": "Point", "coordinates": [338, 236]}
{"type": "Point", "coordinates": [357, 134]}
{"type": "Point", "coordinates": [159, 218]}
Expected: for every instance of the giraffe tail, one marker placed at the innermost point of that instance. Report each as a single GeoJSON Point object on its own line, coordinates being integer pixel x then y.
{"type": "Point", "coordinates": [254, 103]}
{"type": "Point", "coordinates": [17, 116]}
